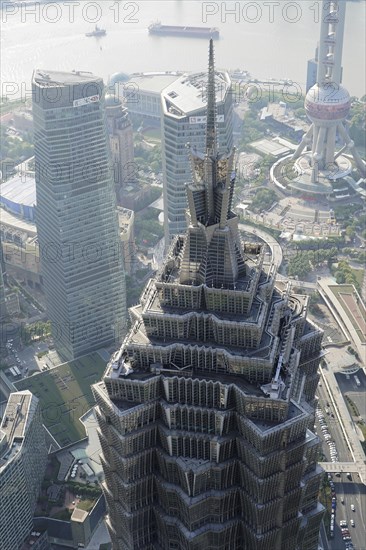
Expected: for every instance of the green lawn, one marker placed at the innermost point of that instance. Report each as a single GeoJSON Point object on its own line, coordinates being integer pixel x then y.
{"type": "Point", "coordinates": [358, 273]}
{"type": "Point", "coordinates": [152, 134]}
{"type": "Point", "coordinates": [65, 395]}
{"type": "Point", "coordinates": [85, 505]}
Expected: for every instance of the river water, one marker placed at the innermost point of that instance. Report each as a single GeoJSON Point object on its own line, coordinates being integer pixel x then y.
{"type": "Point", "coordinates": [269, 39]}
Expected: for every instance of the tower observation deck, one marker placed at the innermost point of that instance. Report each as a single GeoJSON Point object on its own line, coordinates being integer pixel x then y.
{"type": "Point", "coordinates": [205, 412]}
{"type": "Point", "coordinates": [317, 163]}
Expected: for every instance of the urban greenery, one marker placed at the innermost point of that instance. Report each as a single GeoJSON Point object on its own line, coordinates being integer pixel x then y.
{"type": "Point", "coordinates": [264, 198]}
{"type": "Point", "coordinates": [65, 395]}
{"type": "Point", "coordinates": [148, 230]}
{"type": "Point", "coordinates": [13, 150]}
{"type": "Point", "coordinates": [343, 273]}
{"type": "Point", "coordinates": [304, 261]}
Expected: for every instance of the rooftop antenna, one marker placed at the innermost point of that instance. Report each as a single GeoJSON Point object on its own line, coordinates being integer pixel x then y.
{"type": "Point", "coordinates": [211, 138]}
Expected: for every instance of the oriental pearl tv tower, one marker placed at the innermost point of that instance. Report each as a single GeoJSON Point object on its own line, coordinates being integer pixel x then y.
{"type": "Point", "coordinates": [327, 105]}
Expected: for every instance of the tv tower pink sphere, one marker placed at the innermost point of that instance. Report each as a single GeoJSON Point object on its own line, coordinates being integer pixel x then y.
{"type": "Point", "coordinates": [329, 102]}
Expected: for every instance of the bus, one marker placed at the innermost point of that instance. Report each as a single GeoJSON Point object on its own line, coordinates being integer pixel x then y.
{"type": "Point", "coordinates": [18, 373]}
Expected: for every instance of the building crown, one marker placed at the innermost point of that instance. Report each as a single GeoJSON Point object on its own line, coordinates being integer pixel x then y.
{"type": "Point", "coordinates": [211, 192]}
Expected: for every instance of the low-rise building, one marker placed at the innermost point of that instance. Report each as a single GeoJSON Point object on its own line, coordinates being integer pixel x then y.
{"type": "Point", "coordinates": [282, 119]}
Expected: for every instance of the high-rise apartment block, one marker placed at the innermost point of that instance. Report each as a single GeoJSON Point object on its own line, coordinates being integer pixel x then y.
{"type": "Point", "coordinates": [121, 143]}
{"type": "Point", "coordinates": [205, 413]}
{"type": "Point", "coordinates": [23, 459]}
{"type": "Point", "coordinates": [183, 121]}
{"type": "Point", "coordinates": [76, 214]}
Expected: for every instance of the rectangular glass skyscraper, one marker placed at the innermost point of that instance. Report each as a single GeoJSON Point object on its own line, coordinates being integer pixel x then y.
{"type": "Point", "coordinates": [76, 213]}
{"type": "Point", "coordinates": [184, 104]}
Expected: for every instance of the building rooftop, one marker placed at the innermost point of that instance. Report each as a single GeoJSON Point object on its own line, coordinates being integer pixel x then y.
{"type": "Point", "coordinates": [47, 78]}
{"type": "Point", "coordinates": [79, 515]}
{"type": "Point", "coordinates": [8, 219]}
{"type": "Point", "coordinates": [153, 82]}
{"type": "Point", "coordinates": [20, 189]}
{"type": "Point", "coordinates": [32, 540]}
{"type": "Point", "coordinates": [18, 413]}
{"type": "Point", "coordinates": [188, 93]}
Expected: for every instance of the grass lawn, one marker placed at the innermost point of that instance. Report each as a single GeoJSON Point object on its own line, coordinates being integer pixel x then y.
{"type": "Point", "coordinates": [65, 395]}
{"type": "Point", "coordinates": [358, 273]}
{"type": "Point", "coordinates": [85, 505]}
{"type": "Point", "coordinates": [152, 134]}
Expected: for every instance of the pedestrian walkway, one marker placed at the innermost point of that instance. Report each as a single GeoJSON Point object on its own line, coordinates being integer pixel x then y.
{"type": "Point", "coordinates": [345, 422]}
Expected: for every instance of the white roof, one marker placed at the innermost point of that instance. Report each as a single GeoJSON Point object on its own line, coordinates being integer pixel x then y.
{"type": "Point", "coordinates": [188, 93]}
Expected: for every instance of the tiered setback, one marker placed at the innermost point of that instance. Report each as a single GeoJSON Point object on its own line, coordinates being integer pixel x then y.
{"type": "Point", "coordinates": [206, 410]}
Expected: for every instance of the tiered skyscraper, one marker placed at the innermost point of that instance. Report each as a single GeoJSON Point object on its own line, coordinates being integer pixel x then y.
{"type": "Point", "coordinates": [184, 104]}
{"type": "Point", "coordinates": [76, 214]}
{"type": "Point", "coordinates": [205, 413]}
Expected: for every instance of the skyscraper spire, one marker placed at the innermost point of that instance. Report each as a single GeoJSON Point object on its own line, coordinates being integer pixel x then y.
{"type": "Point", "coordinates": [211, 138]}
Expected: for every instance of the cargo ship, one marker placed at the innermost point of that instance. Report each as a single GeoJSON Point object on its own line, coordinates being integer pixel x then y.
{"type": "Point", "coordinates": [192, 32]}
{"type": "Point", "coordinates": [97, 32]}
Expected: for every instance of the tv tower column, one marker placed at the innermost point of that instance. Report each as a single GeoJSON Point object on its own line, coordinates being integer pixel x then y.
{"type": "Point", "coordinates": [327, 104]}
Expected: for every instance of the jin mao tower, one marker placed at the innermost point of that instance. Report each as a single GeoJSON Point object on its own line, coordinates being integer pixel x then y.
{"type": "Point", "coordinates": [205, 413]}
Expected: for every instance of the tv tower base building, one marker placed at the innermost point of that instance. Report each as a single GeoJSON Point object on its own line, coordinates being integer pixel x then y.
{"type": "Point", "coordinates": [316, 164]}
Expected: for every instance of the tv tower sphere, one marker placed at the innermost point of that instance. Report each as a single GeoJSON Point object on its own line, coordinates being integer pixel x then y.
{"type": "Point", "coordinates": [329, 103]}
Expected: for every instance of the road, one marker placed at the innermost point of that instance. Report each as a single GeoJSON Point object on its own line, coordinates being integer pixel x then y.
{"type": "Point", "coordinates": [352, 491]}
{"type": "Point", "coordinates": [276, 250]}
{"type": "Point", "coordinates": [335, 430]}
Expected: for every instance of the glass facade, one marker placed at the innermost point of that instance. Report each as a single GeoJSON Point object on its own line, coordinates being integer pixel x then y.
{"type": "Point", "coordinates": [76, 216]}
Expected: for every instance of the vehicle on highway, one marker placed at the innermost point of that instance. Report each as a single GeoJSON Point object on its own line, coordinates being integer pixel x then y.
{"type": "Point", "coordinates": [353, 508]}
{"type": "Point", "coordinates": [352, 522]}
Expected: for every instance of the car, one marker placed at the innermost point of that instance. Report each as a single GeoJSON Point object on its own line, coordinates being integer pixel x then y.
{"type": "Point", "coordinates": [353, 508]}
{"type": "Point", "coordinates": [352, 522]}
{"type": "Point", "coordinates": [342, 500]}
{"type": "Point", "coordinates": [73, 501]}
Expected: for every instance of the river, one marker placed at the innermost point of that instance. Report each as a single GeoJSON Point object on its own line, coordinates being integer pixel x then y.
{"type": "Point", "coordinates": [269, 39]}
